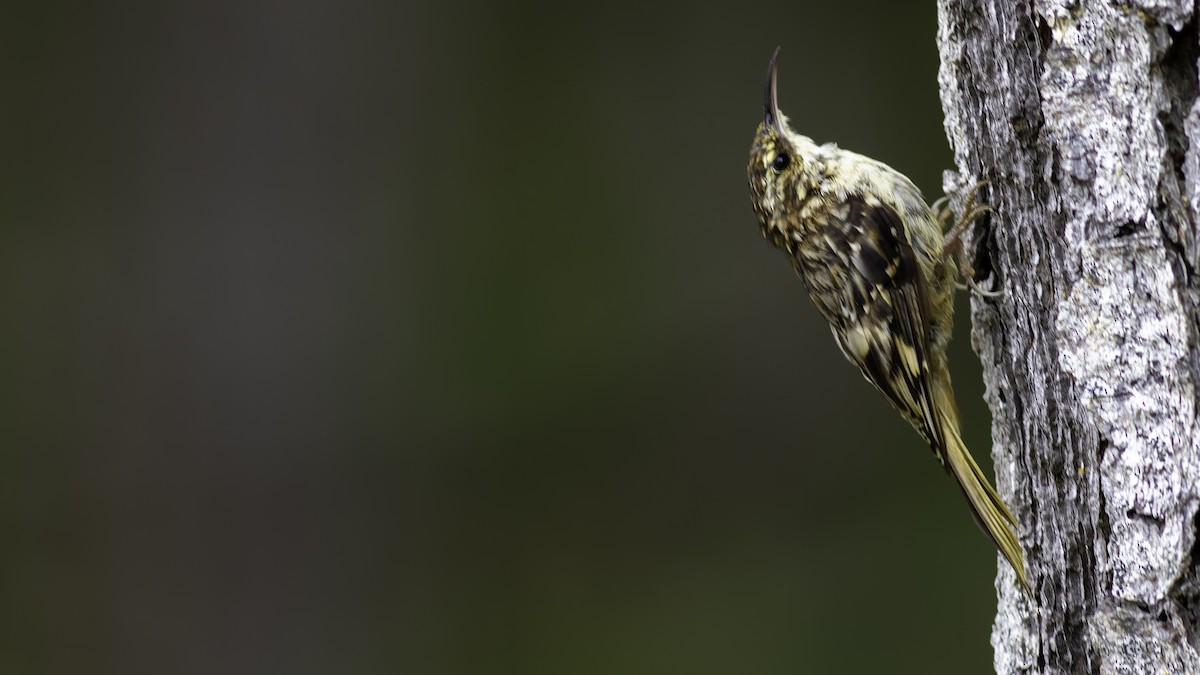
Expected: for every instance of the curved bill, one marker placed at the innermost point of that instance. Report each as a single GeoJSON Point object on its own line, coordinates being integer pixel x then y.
{"type": "Point", "coordinates": [771, 96]}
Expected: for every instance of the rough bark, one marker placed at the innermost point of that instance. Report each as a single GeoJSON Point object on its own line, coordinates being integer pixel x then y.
{"type": "Point", "coordinates": [1083, 115]}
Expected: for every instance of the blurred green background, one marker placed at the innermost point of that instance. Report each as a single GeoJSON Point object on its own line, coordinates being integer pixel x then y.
{"type": "Point", "coordinates": [363, 337]}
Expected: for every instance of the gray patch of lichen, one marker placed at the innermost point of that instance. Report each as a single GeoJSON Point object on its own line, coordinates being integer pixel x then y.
{"type": "Point", "coordinates": [1124, 339]}
{"type": "Point", "coordinates": [1191, 166]}
{"type": "Point", "coordinates": [1173, 12]}
{"type": "Point", "coordinates": [1101, 109]}
{"type": "Point", "coordinates": [950, 51]}
{"type": "Point", "coordinates": [1191, 174]}
{"type": "Point", "coordinates": [1133, 642]}
{"type": "Point", "coordinates": [1122, 329]}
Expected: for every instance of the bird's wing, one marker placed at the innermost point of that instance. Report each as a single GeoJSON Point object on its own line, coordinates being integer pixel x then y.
{"type": "Point", "coordinates": [883, 328]}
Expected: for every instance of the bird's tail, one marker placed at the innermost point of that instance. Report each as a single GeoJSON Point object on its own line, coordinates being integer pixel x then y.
{"type": "Point", "coordinates": [989, 510]}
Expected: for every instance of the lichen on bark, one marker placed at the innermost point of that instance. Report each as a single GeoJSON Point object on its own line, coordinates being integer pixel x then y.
{"type": "Point", "coordinates": [1084, 117]}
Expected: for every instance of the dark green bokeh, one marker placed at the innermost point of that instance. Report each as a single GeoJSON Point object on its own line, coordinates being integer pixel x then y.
{"type": "Point", "coordinates": [359, 338]}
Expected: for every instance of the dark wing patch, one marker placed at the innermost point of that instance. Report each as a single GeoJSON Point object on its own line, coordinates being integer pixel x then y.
{"type": "Point", "coordinates": [884, 253]}
{"type": "Point", "coordinates": [885, 333]}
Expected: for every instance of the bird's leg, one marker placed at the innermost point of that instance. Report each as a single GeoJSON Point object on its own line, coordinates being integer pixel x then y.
{"type": "Point", "coordinates": [952, 245]}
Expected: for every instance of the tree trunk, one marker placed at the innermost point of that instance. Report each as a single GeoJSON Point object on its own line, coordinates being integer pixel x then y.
{"type": "Point", "coordinates": [1083, 116]}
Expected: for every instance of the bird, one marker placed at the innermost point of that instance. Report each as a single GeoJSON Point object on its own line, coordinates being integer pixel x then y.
{"type": "Point", "coordinates": [876, 260]}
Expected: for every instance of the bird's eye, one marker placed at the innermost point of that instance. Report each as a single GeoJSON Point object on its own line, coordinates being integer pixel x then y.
{"type": "Point", "coordinates": [781, 161]}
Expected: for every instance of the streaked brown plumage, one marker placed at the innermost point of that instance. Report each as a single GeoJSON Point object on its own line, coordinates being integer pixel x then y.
{"type": "Point", "coordinates": [872, 255]}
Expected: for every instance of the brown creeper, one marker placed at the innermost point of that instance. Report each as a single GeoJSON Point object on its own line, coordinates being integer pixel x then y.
{"type": "Point", "coordinates": [872, 255]}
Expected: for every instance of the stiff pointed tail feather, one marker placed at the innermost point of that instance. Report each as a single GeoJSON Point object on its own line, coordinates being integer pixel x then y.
{"type": "Point", "coordinates": [989, 510]}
